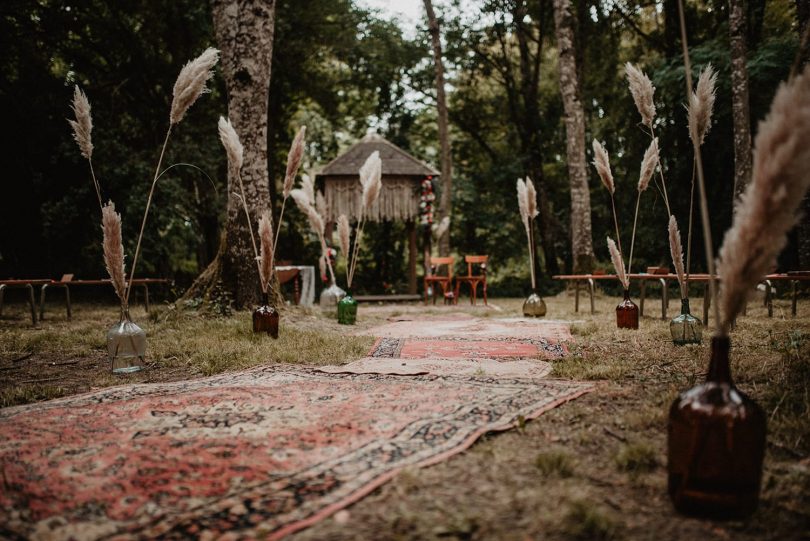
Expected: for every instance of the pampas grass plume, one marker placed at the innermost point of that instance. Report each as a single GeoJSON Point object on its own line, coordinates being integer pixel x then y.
{"type": "Point", "coordinates": [113, 248]}
{"type": "Point", "coordinates": [320, 203]}
{"type": "Point", "coordinates": [443, 226]}
{"type": "Point", "coordinates": [230, 140]}
{"type": "Point", "coordinates": [648, 165]}
{"type": "Point", "coordinates": [642, 90]}
{"type": "Point", "coordinates": [531, 199]}
{"type": "Point", "coordinates": [301, 199]}
{"type": "Point", "coordinates": [371, 179]}
{"type": "Point", "coordinates": [767, 209]}
{"type": "Point", "coordinates": [601, 161]}
{"type": "Point", "coordinates": [618, 263]}
{"type": "Point", "coordinates": [294, 158]}
{"type": "Point", "coordinates": [83, 125]}
{"type": "Point", "coordinates": [308, 187]}
{"type": "Point", "coordinates": [701, 104]}
{"type": "Point", "coordinates": [523, 203]}
{"type": "Point", "coordinates": [190, 84]}
{"type": "Point", "coordinates": [266, 254]}
{"type": "Point", "coordinates": [344, 234]}
{"type": "Point", "coordinates": [676, 249]}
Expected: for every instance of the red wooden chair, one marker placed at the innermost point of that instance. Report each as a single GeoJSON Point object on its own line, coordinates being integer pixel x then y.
{"type": "Point", "coordinates": [435, 279]}
{"type": "Point", "coordinates": [474, 279]}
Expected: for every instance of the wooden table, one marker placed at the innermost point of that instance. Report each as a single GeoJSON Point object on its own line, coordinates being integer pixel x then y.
{"type": "Point", "coordinates": [664, 280]}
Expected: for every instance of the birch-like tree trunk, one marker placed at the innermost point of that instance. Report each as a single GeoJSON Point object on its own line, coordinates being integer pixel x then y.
{"type": "Point", "coordinates": [446, 203]}
{"type": "Point", "coordinates": [739, 96]}
{"type": "Point", "coordinates": [244, 32]}
{"type": "Point", "coordinates": [581, 236]}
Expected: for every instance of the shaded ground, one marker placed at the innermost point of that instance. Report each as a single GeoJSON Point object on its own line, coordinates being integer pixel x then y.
{"type": "Point", "coordinates": [592, 469]}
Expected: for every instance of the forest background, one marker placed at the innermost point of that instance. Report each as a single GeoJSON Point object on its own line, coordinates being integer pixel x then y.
{"type": "Point", "coordinates": [343, 70]}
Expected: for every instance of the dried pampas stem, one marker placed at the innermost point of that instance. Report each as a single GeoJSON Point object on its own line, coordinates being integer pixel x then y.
{"type": "Point", "coordinates": [618, 263]}
{"type": "Point", "coordinates": [767, 210]}
{"type": "Point", "coordinates": [235, 153]}
{"type": "Point", "coordinates": [233, 146]}
{"type": "Point", "coordinates": [371, 181]}
{"type": "Point", "coordinates": [82, 133]}
{"type": "Point", "coordinates": [114, 250]}
{"type": "Point", "coordinates": [443, 227]}
{"type": "Point", "coordinates": [190, 83]}
{"type": "Point", "coordinates": [189, 86]}
{"type": "Point", "coordinates": [344, 235]}
{"type": "Point", "coordinates": [647, 170]}
{"type": "Point", "coordinates": [642, 90]}
{"type": "Point", "coordinates": [316, 222]}
{"type": "Point", "coordinates": [265, 259]}
{"type": "Point", "coordinates": [526, 207]}
{"type": "Point", "coordinates": [704, 205]}
{"type": "Point", "coordinates": [701, 104]}
{"type": "Point", "coordinates": [294, 158]}
{"type": "Point", "coordinates": [601, 161]}
{"type": "Point", "coordinates": [676, 249]}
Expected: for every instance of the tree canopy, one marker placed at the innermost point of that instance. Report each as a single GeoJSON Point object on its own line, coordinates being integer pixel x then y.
{"type": "Point", "coordinates": [342, 70]}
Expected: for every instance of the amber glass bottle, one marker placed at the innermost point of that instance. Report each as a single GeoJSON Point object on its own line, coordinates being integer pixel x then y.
{"type": "Point", "coordinates": [627, 313]}
{"type": "Point", "coordinates": [716, 445]}
{"type": "Point", "coordinates": [265, 318]}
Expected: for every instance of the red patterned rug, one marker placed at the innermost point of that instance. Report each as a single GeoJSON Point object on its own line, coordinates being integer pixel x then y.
{"type": "Point", "coordinates": [260, 453]}
{"type": "Point", "coordinates": [455, 348]}
{"type": "Point", "coordinates": [471, 328]}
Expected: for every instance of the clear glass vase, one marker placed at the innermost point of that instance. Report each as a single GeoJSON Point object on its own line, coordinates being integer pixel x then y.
{"type": "Point", "coordinates": [686, 328]}
{"type": "Point", "coordinates": [126, 345]}
{"type": "Point", "coordinates": [627, 313]}
{"type": "Point", "coordinates": [347, 310]}
{"type": "Point", "coordinates": [534, 306]}
{"type": "Point", "coordinates": [265, 318]}
{"type": "Point", "coordinates": [330, 297]}
{"type": "Point", "coordinates": [715, 445]}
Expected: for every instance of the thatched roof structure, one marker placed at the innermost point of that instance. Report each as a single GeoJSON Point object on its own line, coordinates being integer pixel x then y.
{"type": "Point", "coordinates": [401, 177]}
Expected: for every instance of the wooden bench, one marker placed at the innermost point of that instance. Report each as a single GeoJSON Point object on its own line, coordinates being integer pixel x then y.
{"type": "Point", "coordinates": [29, 285]}
{"type": "Point", "coordinates": [67, 281]}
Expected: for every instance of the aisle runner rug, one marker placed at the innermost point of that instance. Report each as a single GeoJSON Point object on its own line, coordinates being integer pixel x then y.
{"type": "Point", "coordinates": [474, 328]}
{"type": "Point", "coordinates": [252, 454]}
{"type": "Point", "coordinates": [455, 348]}
{"type": "Point", "coordinates": [495, 368]}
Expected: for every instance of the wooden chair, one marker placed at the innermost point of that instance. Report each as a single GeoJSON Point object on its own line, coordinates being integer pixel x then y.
{"type": "Point", "coordinates": [474, 279]}
{"type": "Point", "coordinates": [435, 279]}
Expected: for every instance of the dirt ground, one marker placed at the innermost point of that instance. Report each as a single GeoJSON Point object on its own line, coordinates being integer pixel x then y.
{"type": "Point", "coordinates": [593, 468]}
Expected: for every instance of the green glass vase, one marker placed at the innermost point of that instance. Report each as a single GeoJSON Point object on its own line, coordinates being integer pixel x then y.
{"type": "Point", "coordinates": [686, 328]}
{"type": "Point", "coordinates": [347, 310]}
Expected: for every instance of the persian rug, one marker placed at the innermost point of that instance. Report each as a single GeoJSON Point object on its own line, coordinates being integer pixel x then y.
{"type": "Point", "coordinates": [474, 328]}
{"type": "Point", "coordinates": [464, 348]}
{"type": "Point", "coordinates": [495, 368]}
{"type": "Point", "coordinates": [253, 454]}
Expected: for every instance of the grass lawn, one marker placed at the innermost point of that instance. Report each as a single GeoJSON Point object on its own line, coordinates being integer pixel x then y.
{"type": "Point", "coordinates": [591, 469]}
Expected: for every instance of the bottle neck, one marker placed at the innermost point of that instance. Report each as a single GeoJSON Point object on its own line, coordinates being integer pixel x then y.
{"type": "Point", "coordinates": [265, 298]}
{"type": "Point", "coordinates": [627, 294]}
{"type": "Point", "coordinates": [685, 306]}
{"type": "Point", "coordinates": [719, 367]}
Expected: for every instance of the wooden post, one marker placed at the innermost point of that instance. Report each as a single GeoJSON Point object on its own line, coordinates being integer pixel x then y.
{"type": "Point", "coordinates": [426, 250]}
{"type": "Point", "coordinates": [410, 227]}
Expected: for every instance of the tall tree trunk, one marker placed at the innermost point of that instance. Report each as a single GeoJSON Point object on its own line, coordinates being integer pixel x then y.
{"type": "Point", "coordinates": [244, 31]}
{"type": "Point", "coordinates": [446, 203]}
{"type": "Point", "coordinates": [739, 97]}
{"type": "Point", "coordinates": [581, 237]}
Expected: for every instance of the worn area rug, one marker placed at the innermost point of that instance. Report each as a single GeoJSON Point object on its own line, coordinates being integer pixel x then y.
{"type": "Point", "coordinates": [472, 328]}
{"type": "Point", "coordinates": [494, 368]}
{"type": "Point", "coordinates": [460, 348]}
{"type": "Point", "coordinates": [259, 453]}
